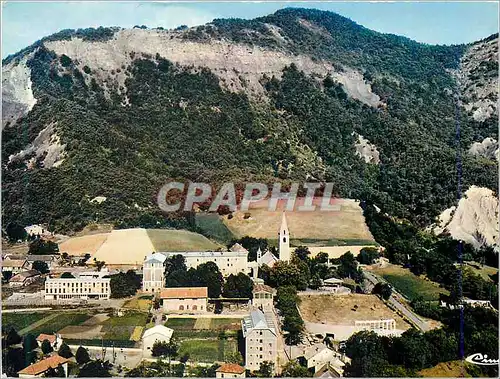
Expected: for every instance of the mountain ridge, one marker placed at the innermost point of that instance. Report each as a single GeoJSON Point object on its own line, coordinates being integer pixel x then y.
{"type": "Point", "coordinates": [291, 110]}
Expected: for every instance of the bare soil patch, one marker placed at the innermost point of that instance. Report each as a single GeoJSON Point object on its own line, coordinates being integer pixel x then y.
{"type": "Point", "coordinates": [344, 310]}
{"type": "Point", "coordinates": [347, 223]}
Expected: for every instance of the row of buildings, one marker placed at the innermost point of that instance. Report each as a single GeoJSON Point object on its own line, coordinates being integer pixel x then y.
{"type": "Point", "coordinates": [233, 261]}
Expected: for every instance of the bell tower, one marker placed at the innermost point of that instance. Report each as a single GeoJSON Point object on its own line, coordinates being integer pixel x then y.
{"type": "Point", "coordinates": [284, 240]}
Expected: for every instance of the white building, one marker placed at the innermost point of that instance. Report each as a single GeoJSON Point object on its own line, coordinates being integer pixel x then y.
{"type": "Point", "coordinates": [284, 240]}
{"type": "Point", "coordinates": [184, 299]}
{"type": "Point", "coordinates": [153, 273]}
{"type": "Point", "coordinates": [261, 340]}
{"type": "Point", "coordinates": [263, 296]}
{"type": "Point", "coordinates": [55, 340]}
{"type": "Point", "coordinates": [230, 370]}
{"type": "Point", "coordinates": [156, 333]}
{"type": "Point", "coordinates": [229, 262]}
{"type": "Point", "coordinates": [77, 288]}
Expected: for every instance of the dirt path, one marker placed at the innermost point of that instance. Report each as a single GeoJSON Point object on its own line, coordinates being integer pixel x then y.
{"type": "Point", "coordinates": [38, 323]}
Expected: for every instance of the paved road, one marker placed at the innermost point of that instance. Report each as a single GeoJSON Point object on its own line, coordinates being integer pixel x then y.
{"type": "Point", "coordinates": [396, 300]}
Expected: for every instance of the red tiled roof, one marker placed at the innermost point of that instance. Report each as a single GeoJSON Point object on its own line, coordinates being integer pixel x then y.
{"type": "Point", "coordinates": [262, 288]}
{"type": "Point", "coordinates": [184, 292]}
{"type": "Point", "coordinates": [22, 276]}
{"type": "Point", "coordinates": [231, 368]}
{"type": "Point", "coordinates": [50, 337]}
{"type": "Point", "coordinates": [13, 262]}
{"type": "Point", "coordinates": [44, 365]}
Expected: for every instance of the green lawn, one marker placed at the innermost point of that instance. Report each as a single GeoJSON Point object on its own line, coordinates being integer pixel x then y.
{"type": "Point", "coordinates": [20, 321]}
{"type": "Point", "coordinates": [181, 323]}
{"type": "Point", "coordinates": [187, 328]}
{"type": "Point", "coordinates": [410, 285]}
{"type": "Point", "coordinates": [208, 350]}
{"type": "Point", "coordinates": [61, 321]}
{"type": "Point", "coordinates": [121, 328]}
{"type": "Point", "coordinates": [226, 323]}
{"type": "Point", "coordinates": [179, 240]}
{"type": "Point", "coordinates": [213, 227]}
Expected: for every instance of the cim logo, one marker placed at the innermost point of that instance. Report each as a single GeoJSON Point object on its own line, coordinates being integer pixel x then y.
{"type": "Point", "coordinates": [480, 359]}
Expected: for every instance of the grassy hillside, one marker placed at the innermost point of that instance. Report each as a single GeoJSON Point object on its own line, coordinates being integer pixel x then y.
{"type": "Point", "coordinates": [180, 240]}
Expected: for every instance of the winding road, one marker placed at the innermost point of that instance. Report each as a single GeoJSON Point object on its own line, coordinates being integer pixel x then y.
{"type": "Point", "coordinates": [396, 300]}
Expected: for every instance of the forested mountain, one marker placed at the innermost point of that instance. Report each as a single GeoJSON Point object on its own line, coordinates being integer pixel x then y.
{"type": "Point", "coordinates": [115, 113]}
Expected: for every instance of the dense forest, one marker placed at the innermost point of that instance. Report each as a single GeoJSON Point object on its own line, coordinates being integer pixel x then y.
{"type": "Point", "coordinates": [181, 125]}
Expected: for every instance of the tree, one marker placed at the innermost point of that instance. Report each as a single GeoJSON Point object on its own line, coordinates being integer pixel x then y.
{"type": "Point", "coordinates": [175, 263]}
{"type": "Point", "coordinates": [29, 343]}
{"type": "Point", "coordinates": [208, 274]}
{"type": "Point", "coordinates": [40, 266]}
{"type": "Point", "coordinates": [57, 372]}
{"type": "Point", "coordinates": [294, 370]}
{"type": "Point", "coordinates": [367, 353]}
{"type": "Point", "coordinates": [412, 350]}
{"type": "Point", "coordinates": [294, 325]}
{"type": "Point", "coordinates": [349, 267]}
{"type": "Point", "coordinates": [67, 275]}
{"type": "Point", "coordinates": [46, 347]}
{"type": "Point", "coordinates": [367, 255]}
{"type": "Point", "coordinates": [252, 245]}
{"type": "Point", "coordinates": [238, 286]}
{"type": "Point", "coordinates": [42, 247]}
{"type": "Point", "coordinates": [82, 355]}
{"type": "Point", "coordinates": [290, 274]}
{"type": "Point", "coordinates": [233, 357]}
{"type": "Point", "coordinates": [315, 282]}
{"type": "Point", "coordinates": [64, 351]}
{"type": "Point", "coordinates": [15, 232]}
{"type": "Point", "coordinates": [95, 369]}
{"type": "Point", "coordinates": [12, 338]}
{"type": "Point", "coordinates": [125, 284]}
{"type": "Point", "coordinates": [382, 289]}
{"type": "Point", "coordinates": [266, 370]}
{"type": "Point", "coordinates": [302, 252]}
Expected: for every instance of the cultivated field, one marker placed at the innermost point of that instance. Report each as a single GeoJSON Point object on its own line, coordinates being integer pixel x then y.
{"type": "Point", "coordinates": [201, 338]}
{"type": "Point", "coordinates": [342, 226]}
{"type": "Point", "coordinates": [344, 310]}
{"type": "Point", "coordinates": [19, 321]}
{"type": "Point", "coordinates": [83, 245]}
{"type": "Point", "coordinates": [129, 246]}
{"type": "Point", "coordinates": [142, 303]}
{"type": "Point", "coordinates": [207, 350]}
{"type": "Point", "coordinates": [82, 327]}
{"type": "Point", "coordinates": [179, 240]}
{"type": "Point", "coordinates": [408, 284]}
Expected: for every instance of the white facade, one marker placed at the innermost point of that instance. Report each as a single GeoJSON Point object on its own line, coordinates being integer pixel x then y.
{"type": "Point", "coordinates": [261, 340]}
{"type": "Point", "coordinates": [77, 288]}
{"type": "Point", "coordinates": [153, 273]}
{"type": "Point", "coordinates": [284, 240]}
{"type": "Point", "coordinates": [184, 300]}
{"type": "Point", "coordinates": [228, 262]}
{"type": "Point", "coordinates": [157, 333]}
{"type": "Point", "coordinates": [262, 297]}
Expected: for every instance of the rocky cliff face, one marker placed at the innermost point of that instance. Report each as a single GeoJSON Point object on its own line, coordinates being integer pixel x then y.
{"type": "Point", "coordinates": [478, 78]}
{"type": "Point", "coordinates": [297, 95]}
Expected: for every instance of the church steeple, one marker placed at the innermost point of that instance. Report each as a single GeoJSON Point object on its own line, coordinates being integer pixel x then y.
{"type": "Point", "coordinates": [284, 240]}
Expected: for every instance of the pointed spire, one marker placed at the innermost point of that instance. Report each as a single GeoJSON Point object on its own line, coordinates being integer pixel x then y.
{"type": "Point", "coordinates": [284, 225]}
